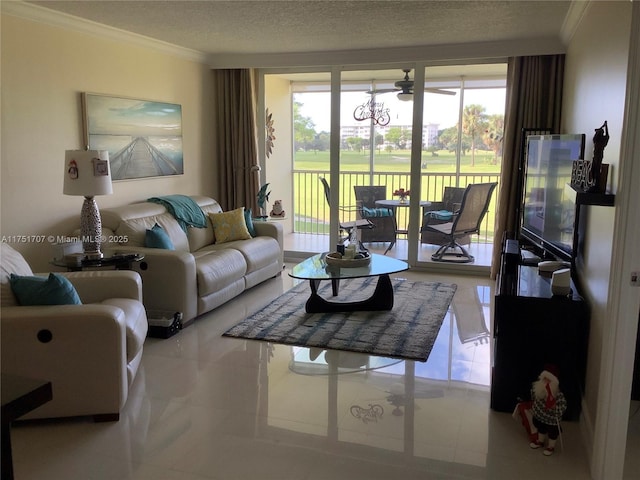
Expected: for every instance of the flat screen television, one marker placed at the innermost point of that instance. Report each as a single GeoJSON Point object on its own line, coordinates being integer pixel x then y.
{"type": "Point", "coordinates": [548, 215]}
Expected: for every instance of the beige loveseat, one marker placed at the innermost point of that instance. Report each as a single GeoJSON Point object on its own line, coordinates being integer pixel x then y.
{"type": "Point", "coordinates": [90, 352]}
{"type": "Point", "coordinates": [200, 274]}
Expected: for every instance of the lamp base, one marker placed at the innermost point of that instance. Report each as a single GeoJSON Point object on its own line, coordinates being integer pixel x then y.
{"type": "Point", "coordinates": [90, 229]}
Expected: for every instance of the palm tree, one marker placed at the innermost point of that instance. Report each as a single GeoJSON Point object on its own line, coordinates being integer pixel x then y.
{"type": "Point", "coordinates": [493, 135]}
{"type": "Point", "coordinates": [473, 124]}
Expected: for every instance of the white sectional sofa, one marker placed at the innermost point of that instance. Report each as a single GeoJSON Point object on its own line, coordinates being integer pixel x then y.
{"type": "Point", "coordinates": [199, 274]}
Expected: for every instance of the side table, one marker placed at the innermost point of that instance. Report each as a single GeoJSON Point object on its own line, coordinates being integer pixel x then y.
{"type": "Point", "coordinates": [20, 395]}
{"type": "Point", "coordinates": [122, 261]}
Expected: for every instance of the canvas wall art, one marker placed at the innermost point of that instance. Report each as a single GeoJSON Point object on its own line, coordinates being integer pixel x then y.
{"type": "Point", "coordinates": [143, 137]}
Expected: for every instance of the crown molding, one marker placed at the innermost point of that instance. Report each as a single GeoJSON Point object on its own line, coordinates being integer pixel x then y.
{"type": "Point", "coordinates": [432, 54]}
{"type": "Point", "coordinates": [46, 16]}
{"type": "Point", "coordinates": [572, 20]}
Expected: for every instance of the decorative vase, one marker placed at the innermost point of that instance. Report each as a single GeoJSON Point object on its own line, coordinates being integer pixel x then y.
{"type": "Point", "coordinates": [402, 194]}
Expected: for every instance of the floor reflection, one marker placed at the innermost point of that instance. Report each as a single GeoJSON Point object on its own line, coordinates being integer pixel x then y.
{"type": "Point", "coordinates": [419, 409]}
{"type": "Point", "coordinates": [205, 406]}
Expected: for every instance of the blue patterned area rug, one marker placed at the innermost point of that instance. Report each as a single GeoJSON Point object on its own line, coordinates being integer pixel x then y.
{"type": "Point", "coordinates": [408, 331]}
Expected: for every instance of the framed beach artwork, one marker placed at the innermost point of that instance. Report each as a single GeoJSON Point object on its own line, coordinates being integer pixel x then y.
{"type": "Point", "coordinates": [143, 137]}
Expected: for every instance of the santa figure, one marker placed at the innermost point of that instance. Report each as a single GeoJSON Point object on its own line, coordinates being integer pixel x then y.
{"type": "Point", "coordinates": [547, 407]}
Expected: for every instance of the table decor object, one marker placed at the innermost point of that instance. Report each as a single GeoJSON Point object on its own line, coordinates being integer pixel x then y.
{"type": "Point", "coordinates": [335, 259]}
{"type": "Point", "coordinates": [402, 194]}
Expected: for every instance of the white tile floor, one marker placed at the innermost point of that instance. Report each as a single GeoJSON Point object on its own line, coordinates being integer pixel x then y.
{"type": "Point", "coordinates": [208, 407]}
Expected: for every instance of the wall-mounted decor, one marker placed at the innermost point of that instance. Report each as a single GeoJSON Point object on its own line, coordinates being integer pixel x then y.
{"type": "Point", "coordinates": [271, 132]}
{"type": "Point", "coordinates": [143, 137]}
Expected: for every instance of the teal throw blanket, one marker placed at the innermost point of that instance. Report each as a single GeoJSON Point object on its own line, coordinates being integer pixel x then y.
{"type": "Point", "coordinates": [184, 209]}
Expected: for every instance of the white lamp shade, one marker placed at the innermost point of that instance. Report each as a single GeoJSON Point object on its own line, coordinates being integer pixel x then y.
{"type": "Point", "coordinates": [87, 173]}
{"type": "Point", "coordinates": [405, 97]}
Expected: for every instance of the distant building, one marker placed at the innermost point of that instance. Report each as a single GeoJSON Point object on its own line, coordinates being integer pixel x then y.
{"type": "Point", "coordinates": [363, 130]}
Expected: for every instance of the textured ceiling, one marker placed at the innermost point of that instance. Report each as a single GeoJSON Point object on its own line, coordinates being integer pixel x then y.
{"type": "Point", "coordinates": [269, 27]}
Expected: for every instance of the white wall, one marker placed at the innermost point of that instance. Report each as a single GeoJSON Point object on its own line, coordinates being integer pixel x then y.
{"type": "Point", "coordinates": [44, 71]}
{"type": "Point", "coordinates": [595, 87]}
{"type": "Point", "coordinates": [279, 166]}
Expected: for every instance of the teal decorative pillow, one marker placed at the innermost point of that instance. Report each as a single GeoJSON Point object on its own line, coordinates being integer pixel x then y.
{"type": "Point", "coordinates": [249, 221]}
{"type": "Point", "coordinates": [376, 212]}
{"type": "Point", "coordinates": [157, 237]}
{"type": "Point", "coordinates": [444, 215]}
{"type": "Point", "coordinates": [229, 226]}
{"type": "Point", "coordinates": [52, 290]}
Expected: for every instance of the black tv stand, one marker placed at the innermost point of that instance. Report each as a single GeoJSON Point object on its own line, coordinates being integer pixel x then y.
{"type": "Point", "coordinates": [528, 258]}
{"type": "Point", "coordinates": [531, 328]}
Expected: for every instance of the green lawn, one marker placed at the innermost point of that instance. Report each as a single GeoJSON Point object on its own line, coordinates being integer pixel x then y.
{"type": "Point", "coordinates": [391, 169]}
{"type": "Point", "coordinates": [398, 161]}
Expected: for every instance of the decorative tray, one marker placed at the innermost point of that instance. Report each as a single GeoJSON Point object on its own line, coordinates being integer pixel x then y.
{"type": "Point", "coordinates": [335, 259]}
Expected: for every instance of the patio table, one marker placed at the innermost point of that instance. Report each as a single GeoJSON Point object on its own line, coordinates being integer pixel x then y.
{"type": "Point", "coordinates": [394, 205]}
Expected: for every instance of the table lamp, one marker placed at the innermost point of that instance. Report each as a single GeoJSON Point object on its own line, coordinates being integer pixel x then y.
{"type": "Point", "coordinates": [87, 173]}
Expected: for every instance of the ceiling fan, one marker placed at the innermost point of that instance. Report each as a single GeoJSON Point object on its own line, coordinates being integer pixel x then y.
{"type": "Point", "coordinates": [405, 88]}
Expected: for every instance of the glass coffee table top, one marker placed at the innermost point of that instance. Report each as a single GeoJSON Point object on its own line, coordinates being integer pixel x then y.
{"type": "Point", "coordinates": [316, 268]}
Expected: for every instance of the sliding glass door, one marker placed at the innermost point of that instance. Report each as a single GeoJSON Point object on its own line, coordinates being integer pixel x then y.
{"type": "Point", "coordinates": [355, 129]}
{"type": "Point", "coordinates": [462, 144]}
{"type": "Point", "coordinates": [375, 155]}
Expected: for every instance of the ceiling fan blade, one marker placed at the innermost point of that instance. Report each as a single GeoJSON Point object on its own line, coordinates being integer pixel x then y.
{"type": "Point", "coordinates": [410, 91]}
{"type": "Point", "coordinates": [383, 90]}
{"type": "Point", "coordinates": [440, 91]}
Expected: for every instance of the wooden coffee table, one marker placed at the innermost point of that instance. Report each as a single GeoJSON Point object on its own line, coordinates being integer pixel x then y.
{"type": "Point", "coordinates": [315, 269]}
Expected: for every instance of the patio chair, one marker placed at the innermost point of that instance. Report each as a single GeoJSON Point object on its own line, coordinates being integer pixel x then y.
{"type": "Point", "coordinates": [467, 221]}
{"type": "Point", "coordinates": [442, 212]}
{"type": "Point", "coordinates": [382, 218]}
{"type": "Point", "coordinates": [347, 226]}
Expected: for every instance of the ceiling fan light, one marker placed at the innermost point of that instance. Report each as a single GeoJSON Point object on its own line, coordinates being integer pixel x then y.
{"type": "Point", "coordinates": [405, 97]}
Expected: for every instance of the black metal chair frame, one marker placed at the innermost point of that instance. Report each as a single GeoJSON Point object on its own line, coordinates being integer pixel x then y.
{"type": "Point", "coordinates": [451, 201]}
{"type": "Point", "coordinates": [347, 227]}
{"type": "Point", "coordinates": [385, 227]}
{"type": "Point", "coordinates": [467, 221]}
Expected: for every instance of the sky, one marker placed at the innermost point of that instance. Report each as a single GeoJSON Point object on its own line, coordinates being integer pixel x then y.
{"type": "Point", "coordinates": [440, 109]}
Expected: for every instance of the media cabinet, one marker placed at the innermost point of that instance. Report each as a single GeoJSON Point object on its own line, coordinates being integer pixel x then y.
{"type": "Point", "coordinates": [531, 328]}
